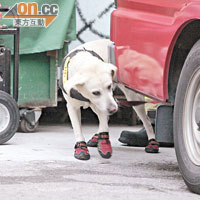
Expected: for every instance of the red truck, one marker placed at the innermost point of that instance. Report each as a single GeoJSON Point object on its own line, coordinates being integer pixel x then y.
{"type": "Point", "coordinates": [167, 33]}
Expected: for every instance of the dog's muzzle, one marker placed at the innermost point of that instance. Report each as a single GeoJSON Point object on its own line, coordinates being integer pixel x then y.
{"type": "Point", "coordinates": [112, 110]}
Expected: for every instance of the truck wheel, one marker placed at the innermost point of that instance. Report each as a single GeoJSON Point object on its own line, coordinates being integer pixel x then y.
{"type": "Point", "coordinates": [26, 127]}
{"type": "Point", "coordinates": [9, 117]}
{"type": "Point", "coordinates": [187, 120]}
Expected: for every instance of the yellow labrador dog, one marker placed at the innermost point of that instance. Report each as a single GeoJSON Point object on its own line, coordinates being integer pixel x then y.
{"type": "Point", "coordinates": [87, 81]}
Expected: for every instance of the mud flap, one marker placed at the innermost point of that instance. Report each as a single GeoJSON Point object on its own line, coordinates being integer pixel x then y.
{"type": "Point", "coordinates": [164, 125]}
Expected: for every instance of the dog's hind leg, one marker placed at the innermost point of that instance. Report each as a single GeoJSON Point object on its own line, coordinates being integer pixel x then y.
{"type": "Point", "coordinates": [140, 110]}
{"type": "Point", "coordinates": [145, 120]}
{"type": "Point", "coordinates": [152, 145]}
{"type": "Point", "coordinates": [140, 138]}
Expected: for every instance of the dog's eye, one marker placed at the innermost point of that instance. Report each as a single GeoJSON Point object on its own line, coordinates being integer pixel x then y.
{"type": "Point", "coordinates": [96, 93]}
{"type": "Point", "coordinates": [109, 87]}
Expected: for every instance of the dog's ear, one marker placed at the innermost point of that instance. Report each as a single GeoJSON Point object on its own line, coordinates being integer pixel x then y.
{"type": "Point", "coordinates": [113, 70]}
{"type": "Point", "coordinates": [75, 82]}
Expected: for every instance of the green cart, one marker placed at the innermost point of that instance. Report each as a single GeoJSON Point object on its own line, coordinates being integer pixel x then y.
{"type": "Point", "coordinates": [41, 52]}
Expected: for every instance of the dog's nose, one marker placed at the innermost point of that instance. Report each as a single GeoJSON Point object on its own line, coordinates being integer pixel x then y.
{"type": "Point", "coordinates": [112, 110]}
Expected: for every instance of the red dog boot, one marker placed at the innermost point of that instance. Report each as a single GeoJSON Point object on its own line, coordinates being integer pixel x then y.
{"type": "Point", "coordinates": [104, 145]}
{"type": "Point", "coordinates": [81, 151]}
{"type": "Point", "coordinates": [152, 147]}
{"type": "Point", "coordinates": [93, 141]}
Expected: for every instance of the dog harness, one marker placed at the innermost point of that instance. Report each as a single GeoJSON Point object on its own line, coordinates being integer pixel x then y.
{"type": "Point", "coordinates": [64, 73]}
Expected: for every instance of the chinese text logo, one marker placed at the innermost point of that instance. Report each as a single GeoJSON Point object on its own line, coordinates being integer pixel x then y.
{"type": "Point", "coordinates": [29, 15]}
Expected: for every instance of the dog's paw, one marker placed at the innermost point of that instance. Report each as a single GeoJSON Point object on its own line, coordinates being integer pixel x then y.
{"type": "Point", "coordinates": [152, 147]}
{"type": "Point", "coordinates": [104, 145]}
{"type": "Point", "coordinates": [93, 141]}
{"type": "Point", "coordinates": [81, 151]}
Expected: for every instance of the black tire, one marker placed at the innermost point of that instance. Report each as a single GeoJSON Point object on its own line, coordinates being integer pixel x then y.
{"type": "Point", "coordinates": [26, 127]}
{"type": "Point", "coordinates": [186, 131]}
{"type": "Point", "coordinates": [9, 117]}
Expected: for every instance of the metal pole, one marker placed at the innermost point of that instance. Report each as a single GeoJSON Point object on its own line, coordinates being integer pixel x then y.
{"type": "Point", "coordinates": [16, 65]}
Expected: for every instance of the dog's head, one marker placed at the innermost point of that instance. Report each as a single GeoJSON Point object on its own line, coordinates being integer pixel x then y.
{"type": "Point", "coordinates": [95, 84]}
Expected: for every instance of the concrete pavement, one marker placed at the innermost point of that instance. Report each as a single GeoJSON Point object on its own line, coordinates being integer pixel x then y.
{"type": "Point", "coordinates": [41, 166]}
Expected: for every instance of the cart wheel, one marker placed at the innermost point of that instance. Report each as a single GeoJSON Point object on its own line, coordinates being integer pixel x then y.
{"type": "Point", "coordinates": [187, 120]}
{"type": "Point", "coordinates": [9, 117]}
{"type": "Point", "coordinates": [26, 127]}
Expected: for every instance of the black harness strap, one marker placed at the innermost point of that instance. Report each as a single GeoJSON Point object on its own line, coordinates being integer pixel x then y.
{"type": "Point", "coordinates": [74, 93]}
{"type": "Point", "coordinates": [77, 95]}
{"type": "Point", "coordinates": [94, 54]}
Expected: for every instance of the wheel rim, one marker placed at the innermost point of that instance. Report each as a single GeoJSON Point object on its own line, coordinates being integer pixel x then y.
{"type": "Point", "coordinates": [191, 118]}
{"type": "Point", "coordinates": [4, 117]}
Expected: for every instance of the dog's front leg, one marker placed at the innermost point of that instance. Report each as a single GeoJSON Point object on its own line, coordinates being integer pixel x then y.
{"type": "Point", "coordinates": [103, 127]}
{"type": "Point", "coordinates": [103, 120]}
{"type": "Point", "coordinates": [103, 142]}
{"type": "Point", "coordinates": [81, 150]}
{"type": "Point", "coordinates": [75, 117]}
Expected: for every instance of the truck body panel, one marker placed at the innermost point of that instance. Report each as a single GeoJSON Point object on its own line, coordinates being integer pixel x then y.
{"type": "Point", "coordinates": [144, 33]}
